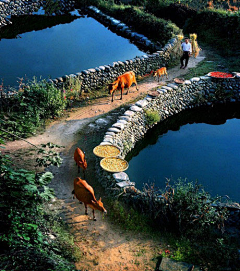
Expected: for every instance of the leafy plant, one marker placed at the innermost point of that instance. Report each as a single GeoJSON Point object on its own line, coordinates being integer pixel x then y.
{"type": "Point", "coordinates": [29, 108]}
{"type": "Point", "coordinates": [72, 90]}
{"type": "Point", "coordinates": [48, 156]}
{"type": "Point", "coordinates": [188, 209]}
{"type": "Point", "coordinates": [152, 117]}
{"type": "Point", "coordinates": [25, 231]}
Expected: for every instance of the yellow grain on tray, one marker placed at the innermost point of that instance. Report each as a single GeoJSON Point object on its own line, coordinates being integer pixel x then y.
{"type": "Point", "coordinates": [113, 164]}
{"type": "Point", "coordinates": [106, 151]}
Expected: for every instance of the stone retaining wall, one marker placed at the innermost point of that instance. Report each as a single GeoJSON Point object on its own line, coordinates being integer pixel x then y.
{"type": "Point", "coordinates": [167, 101]}
{"type": "Point", "coordinates": [100, 76]}
{"type": "Point", "coordinates": [10, 8]}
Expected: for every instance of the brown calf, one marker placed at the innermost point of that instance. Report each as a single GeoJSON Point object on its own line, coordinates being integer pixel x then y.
{"type": "Point", "coordinates": [160, 72]}
{"type": "Point", "coordinates": [85, 193]}
{"type": "Point", "coordinates": [80, 160]}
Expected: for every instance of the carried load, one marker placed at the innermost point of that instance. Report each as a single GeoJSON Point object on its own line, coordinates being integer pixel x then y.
{"type": "Point", "coordinates": [195, 48]}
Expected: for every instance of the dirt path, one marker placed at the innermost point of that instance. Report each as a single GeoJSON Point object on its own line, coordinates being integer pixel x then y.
{"type": "Point", "coordinates": [63, 132]}
{"type": "Point", "coordinates": [104, 246]}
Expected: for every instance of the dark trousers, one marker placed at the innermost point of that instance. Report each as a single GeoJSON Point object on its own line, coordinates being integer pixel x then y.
{"type": "Point", "coordinates": [184, 56]}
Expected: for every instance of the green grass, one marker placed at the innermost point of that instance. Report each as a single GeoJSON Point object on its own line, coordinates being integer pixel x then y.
{"type": "Point", "coordinates": [213, 61]}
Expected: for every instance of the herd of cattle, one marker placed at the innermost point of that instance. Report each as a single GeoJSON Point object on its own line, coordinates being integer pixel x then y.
{"type": "Point", "coordinates": [82, 190]}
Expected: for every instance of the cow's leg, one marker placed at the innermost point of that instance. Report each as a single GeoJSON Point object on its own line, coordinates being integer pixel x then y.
{"type": "Point", "coordinates": [136, 84]}
{"type": "Point", "coordinates": [167, 75]}
{"type": "Point", "coordinates": [121, 93]}
{"type": "Point", "coordinates": [86, 213]}
{"type": "Point", "coordinates": [112, 96]}
{"type": "Point", "coordinates": [94, 218]}
{"type": "Point", "coordinates": [127, 91]}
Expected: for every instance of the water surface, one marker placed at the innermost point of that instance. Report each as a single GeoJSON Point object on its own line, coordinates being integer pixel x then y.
{"type": "Point", "coordinates": [197, 145]}
{"type": "Point", "coordinates": [62, 49]}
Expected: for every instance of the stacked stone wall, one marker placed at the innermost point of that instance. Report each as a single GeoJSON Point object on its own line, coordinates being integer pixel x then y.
{"type": "Point", "coordinates": [167, 101]}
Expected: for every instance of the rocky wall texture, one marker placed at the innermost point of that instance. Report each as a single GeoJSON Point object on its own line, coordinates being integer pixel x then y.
{"type": "Point", "coordinates": [10, 8]}
{"type": "Point", "coordinates": [167, 101]}
{"type": "Point", "coordinates": [100, 76]}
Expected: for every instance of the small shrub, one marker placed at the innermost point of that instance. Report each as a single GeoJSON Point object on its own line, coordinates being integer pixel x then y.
{"type": "Point", "coordinates": [190, 210]}
{"type": "Point", "coordinates": [72, 90]}
{"type": "Point", "coordinates": [152, 117]}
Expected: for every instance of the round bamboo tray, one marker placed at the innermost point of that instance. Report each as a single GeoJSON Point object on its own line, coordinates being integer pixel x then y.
{"type": "Point", "coordinates": [179, 80]}
{"type": "Point", "coordinates": [106, 151]}
{"type": "Point", "coordinates": [114, 164]}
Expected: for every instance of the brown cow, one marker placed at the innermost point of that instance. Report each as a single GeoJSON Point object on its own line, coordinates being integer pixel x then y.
{"type": "Point", "coordinates": [80, 160]}
{"type": "Point", "coordinates": [160, 72]}
{"type": "Point", "coordinates": [123, 81]}
{"type": "Point", "coordinates": [84, 193]}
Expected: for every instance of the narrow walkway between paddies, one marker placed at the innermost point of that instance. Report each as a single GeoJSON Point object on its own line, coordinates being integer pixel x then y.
{"type": "Point", "coordinates": [103, 246]}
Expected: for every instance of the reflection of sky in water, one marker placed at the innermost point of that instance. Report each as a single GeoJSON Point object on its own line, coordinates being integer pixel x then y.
{"type": "Point", "coordinates": [209, 153]}
{"type": "Point", "coordinates": [62, 49]}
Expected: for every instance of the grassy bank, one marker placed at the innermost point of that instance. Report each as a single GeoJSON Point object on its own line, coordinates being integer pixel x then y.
{"type": "Point", "coordinates": [156, 29]}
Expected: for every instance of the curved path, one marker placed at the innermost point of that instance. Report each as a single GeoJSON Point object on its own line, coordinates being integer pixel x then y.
{"type": "Point", "coordinates": [62, 132]}
{"type": "Point", "coordinates": [103, 246]}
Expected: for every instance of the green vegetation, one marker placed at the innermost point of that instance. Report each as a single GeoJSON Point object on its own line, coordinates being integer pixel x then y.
{"type": "Point", "coordinates": [152, 117]}
{"type": "Point", "coordinates": [33, 237]}
{"type": "Point", "coordinates": [191, 213]}
{"type": "Point", "coordinates": [190, 209]}
{"type": "Point", "coordinates": [129, 220]}
{"type": "Point", "coordinates": [72, 90]}
{"type": "Point", "coordinates": [154, 28]}
{"type": "Point", "coordinates": [35, 102]}
{"type": "Point", "coordinates": [215, 27]}
{"type": "Point", "coordinates": [220, 30]}
{"type": "Point", "coordinates": [186, 224]}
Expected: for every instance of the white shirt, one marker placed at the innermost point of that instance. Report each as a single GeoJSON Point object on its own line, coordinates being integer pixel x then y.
{"type": "Point", "coordinates": [187, 47]}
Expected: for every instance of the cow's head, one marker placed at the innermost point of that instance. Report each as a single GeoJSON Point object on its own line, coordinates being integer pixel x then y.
{"type": "Point", "coordinates": [100, 206]}
{"type": "Point", "coordinates": [112, 87]}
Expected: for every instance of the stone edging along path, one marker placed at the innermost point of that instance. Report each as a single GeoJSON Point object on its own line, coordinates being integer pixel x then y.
{"type": "Point", "coordinates": [167, 101]}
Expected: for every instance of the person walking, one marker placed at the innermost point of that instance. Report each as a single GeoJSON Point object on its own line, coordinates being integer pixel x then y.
{"type": "Point", "coordinates": [187, 50]}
